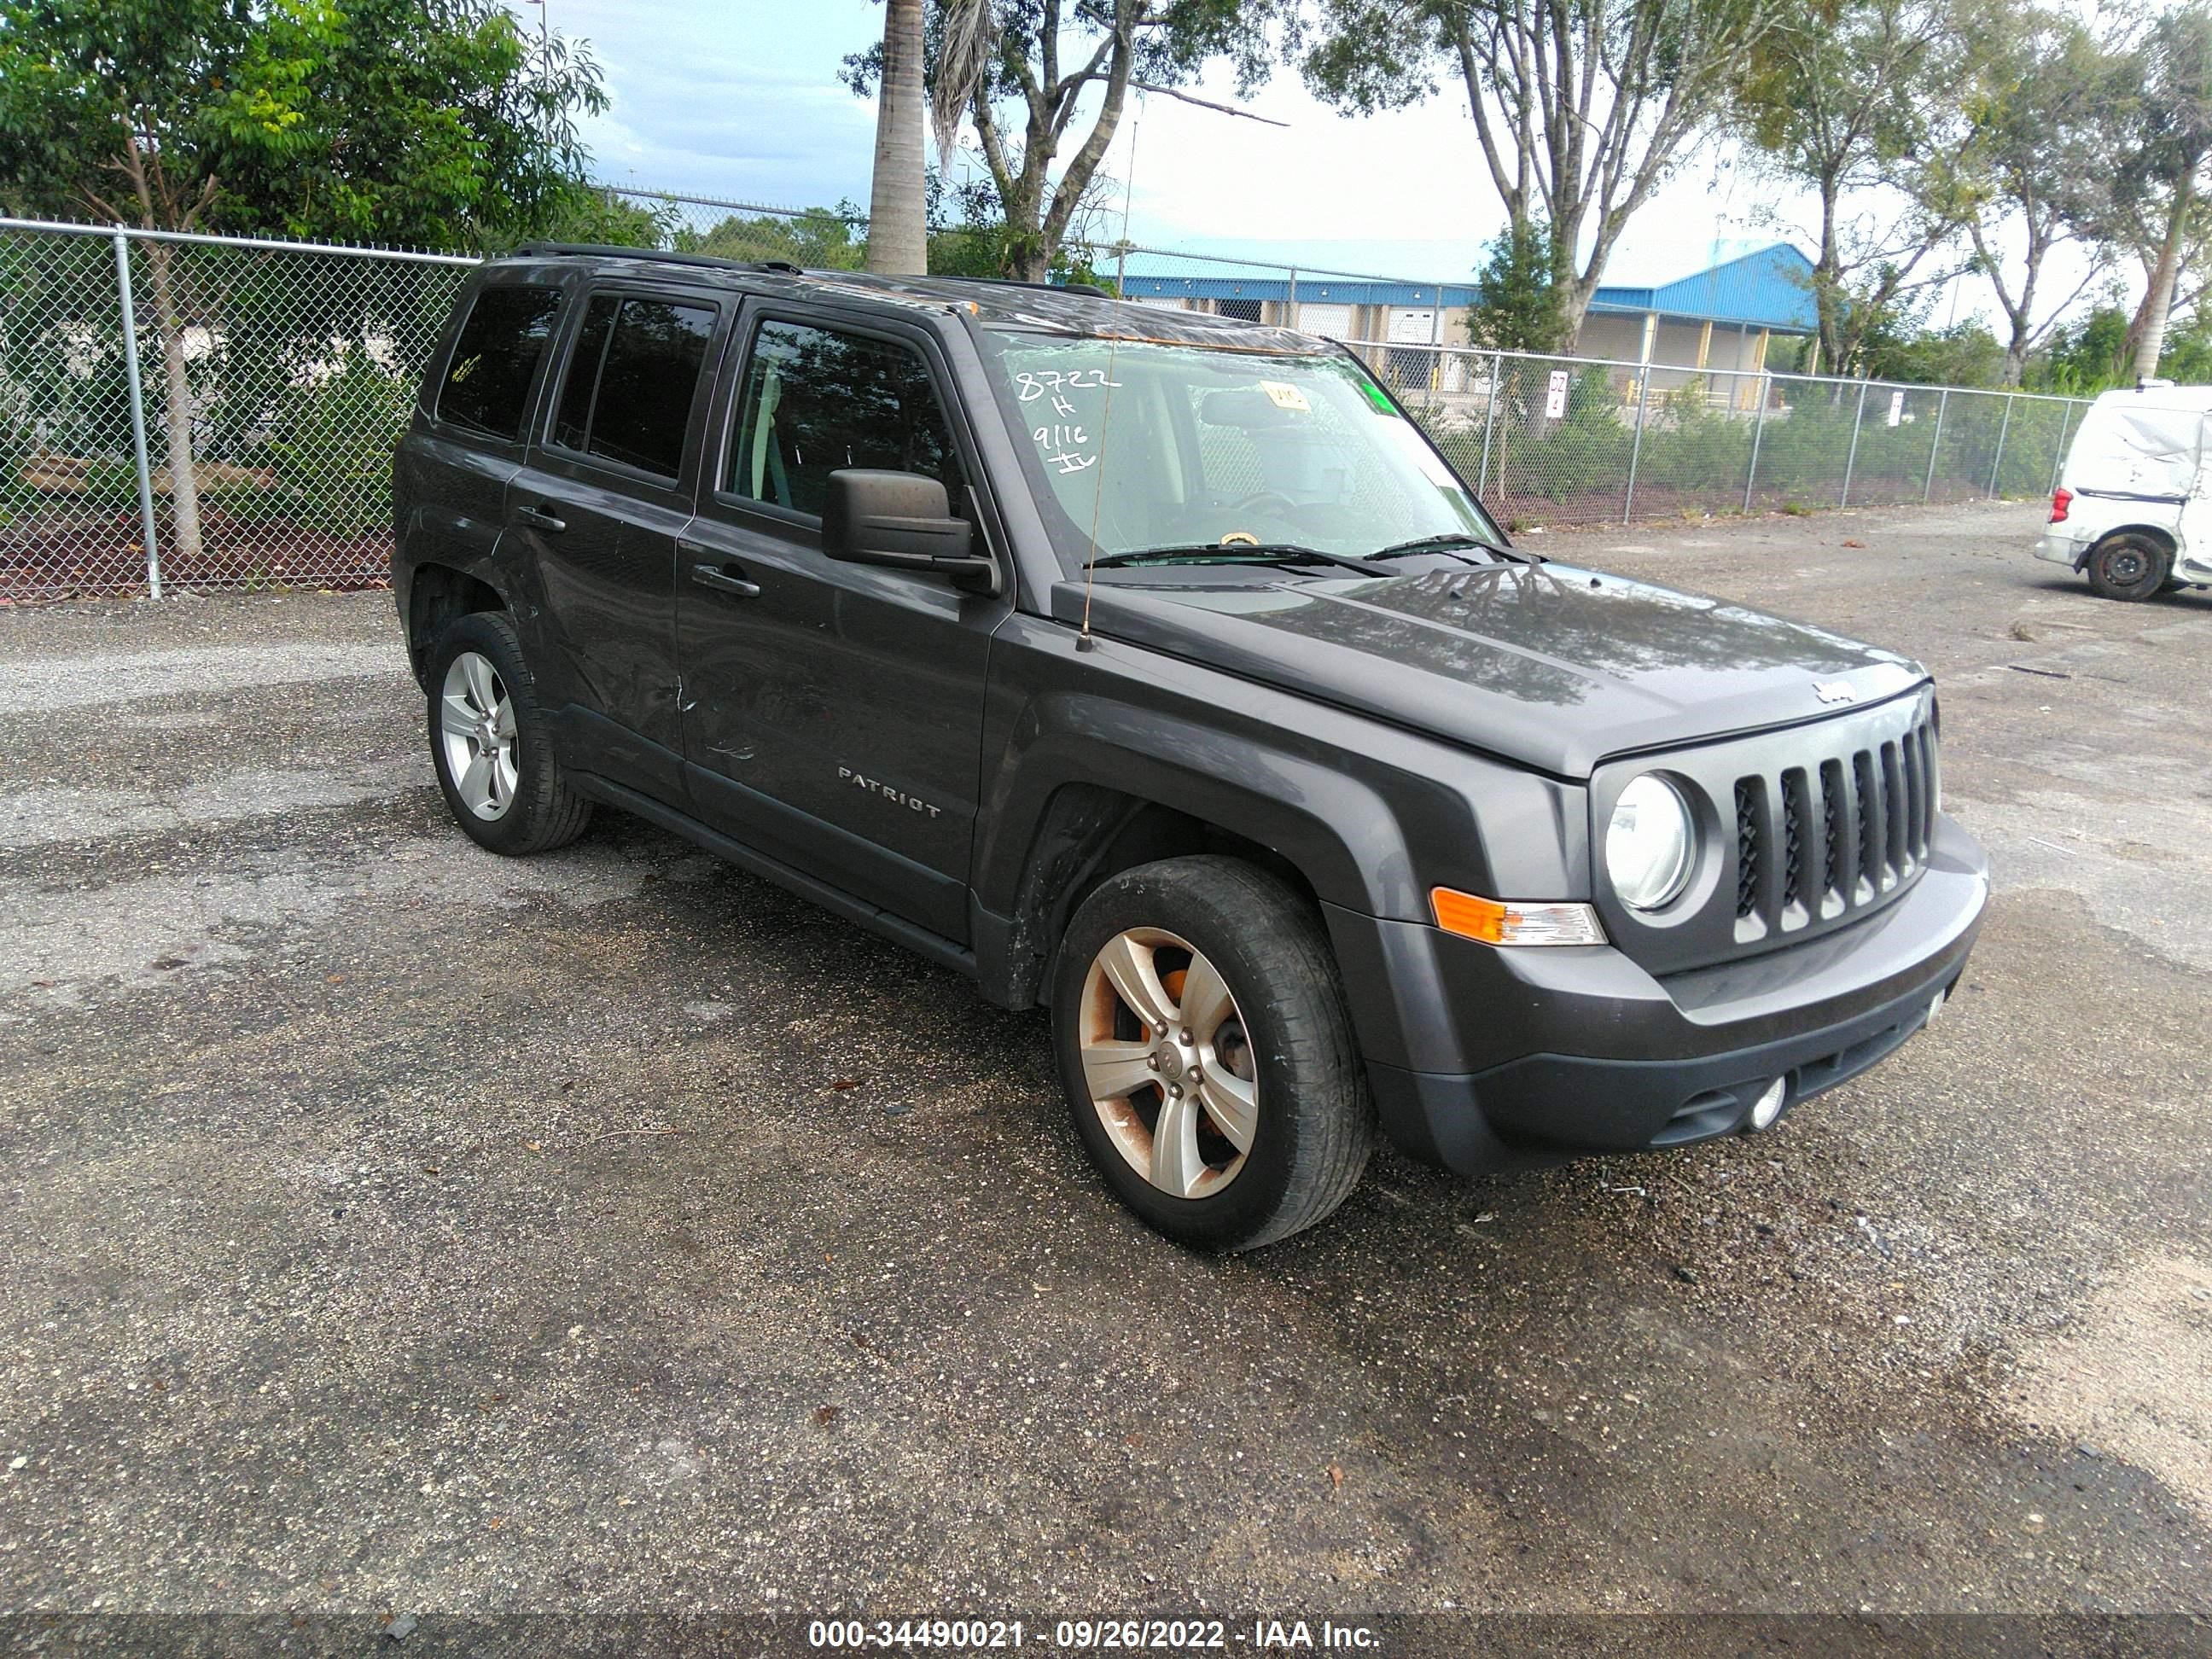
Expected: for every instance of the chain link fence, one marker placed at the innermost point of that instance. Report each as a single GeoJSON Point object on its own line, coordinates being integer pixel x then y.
{"type": "Point", "coordinates": [207, 412]}
{"type": "Point", "coordinates": [1570, 441]}
{"type": "Point", "coordinates": [815, 239]}
{"type": "Point", "coordinates": [214, 412]}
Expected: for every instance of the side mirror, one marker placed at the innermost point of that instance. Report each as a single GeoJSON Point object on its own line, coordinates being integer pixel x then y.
{"type": "Point", "coordinates": [902, 520]}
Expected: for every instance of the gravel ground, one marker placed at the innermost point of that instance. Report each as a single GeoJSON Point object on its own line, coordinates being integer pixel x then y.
{"type": "Point", "coordinates": [391, 1227]}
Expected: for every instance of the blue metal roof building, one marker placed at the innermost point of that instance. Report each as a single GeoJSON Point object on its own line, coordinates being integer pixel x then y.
{"type": "Point", "coordinates": [1771, 290]}
{"type": "Point", "coordinates": [1717, 318]}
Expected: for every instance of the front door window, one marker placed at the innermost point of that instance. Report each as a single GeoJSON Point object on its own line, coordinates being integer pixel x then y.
{"type": "Point", "coordinates": [817, 400]}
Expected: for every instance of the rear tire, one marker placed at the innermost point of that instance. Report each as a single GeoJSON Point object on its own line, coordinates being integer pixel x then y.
{"type": "Point", "coordinates": [490, 745]}
{"type": "Point", "coordinates": [1248, 1025]}
{"type": "Point", "coordinates": [2127, 566]}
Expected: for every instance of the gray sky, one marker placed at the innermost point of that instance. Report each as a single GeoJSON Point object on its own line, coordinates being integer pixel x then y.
{"type": "Point", "coordinates": [742, 99]}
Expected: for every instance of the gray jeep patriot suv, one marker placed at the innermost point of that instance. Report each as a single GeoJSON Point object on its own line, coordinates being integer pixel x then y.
{"type": "Point", "coordinates": [1156, 669]}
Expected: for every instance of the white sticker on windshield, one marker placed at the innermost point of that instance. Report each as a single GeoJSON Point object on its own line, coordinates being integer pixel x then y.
{"type": "Point", "coordinates": [1284, 395]}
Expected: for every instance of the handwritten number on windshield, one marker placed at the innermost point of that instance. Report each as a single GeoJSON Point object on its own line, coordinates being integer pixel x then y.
{"type": "Point", "coordinates": [1062, 442]}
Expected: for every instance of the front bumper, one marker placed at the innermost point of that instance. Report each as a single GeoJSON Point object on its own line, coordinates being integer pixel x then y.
{"type": "Point", "coordinates": [1483, 1059]}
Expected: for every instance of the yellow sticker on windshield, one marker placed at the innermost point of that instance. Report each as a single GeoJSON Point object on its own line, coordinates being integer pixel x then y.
{"type": "Point", "coordinates": [1284, 395]}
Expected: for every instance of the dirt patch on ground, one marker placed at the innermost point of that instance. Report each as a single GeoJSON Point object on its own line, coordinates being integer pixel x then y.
{"type": "Point", "coordinates": [2134, 1374]}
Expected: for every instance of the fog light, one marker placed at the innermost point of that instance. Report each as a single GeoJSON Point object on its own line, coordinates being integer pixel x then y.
{"type": "Point", "coordinates": [1935, 1007]}
{"type": "Point", "coordinates": [1768, 1106]}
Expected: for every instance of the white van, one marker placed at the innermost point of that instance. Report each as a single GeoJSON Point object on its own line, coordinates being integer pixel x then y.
{"type": "Point", "coordinates": [2133, 509]}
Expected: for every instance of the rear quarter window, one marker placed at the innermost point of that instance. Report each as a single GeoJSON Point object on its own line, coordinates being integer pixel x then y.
{"type": "Point", "coordinates": [487, 381]}
{"type": "Point", "coordinates": [630, 381]}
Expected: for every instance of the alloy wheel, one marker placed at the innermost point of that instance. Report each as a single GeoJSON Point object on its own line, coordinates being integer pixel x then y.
{"type": "Point", "coordinates": [476, 725]}
{"type": "Point", "coordinates": [1168, 1062]}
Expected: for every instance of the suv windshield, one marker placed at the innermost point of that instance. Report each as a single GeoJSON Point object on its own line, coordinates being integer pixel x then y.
{"type": "Point", "coordinates": [1177, 446]}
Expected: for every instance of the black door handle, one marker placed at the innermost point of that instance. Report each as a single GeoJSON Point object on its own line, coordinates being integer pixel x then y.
{"type": "Point", "coordinates": [725, 580]}
{"type": "Point", "coordinates": [538, 519]}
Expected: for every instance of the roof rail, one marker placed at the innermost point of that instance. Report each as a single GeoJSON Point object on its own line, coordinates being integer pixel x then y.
{"type": "Point", "coordinates": [1091, 288]}
{"type": "Point", "coordinates": [782, 267]}
{"type": "Point", "coordinates": [608, 251]}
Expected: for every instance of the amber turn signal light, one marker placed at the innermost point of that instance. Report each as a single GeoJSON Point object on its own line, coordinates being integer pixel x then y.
{"type": "Point", "coordinates": [1496, 921]}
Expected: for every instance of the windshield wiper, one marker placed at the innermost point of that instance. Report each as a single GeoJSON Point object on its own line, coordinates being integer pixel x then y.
{"type": "Point", "coordinates": [1285, 553]}
{"type": "Point", "coordinates": [1449, 539]}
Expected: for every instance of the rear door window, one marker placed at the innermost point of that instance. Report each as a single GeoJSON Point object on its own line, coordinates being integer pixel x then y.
{"type": "Point", "coordinates": [627, 397]}
{"type": "Point", "coordinates": [486, 382]}
{"type": "Point", "coordinates": [819, 399]}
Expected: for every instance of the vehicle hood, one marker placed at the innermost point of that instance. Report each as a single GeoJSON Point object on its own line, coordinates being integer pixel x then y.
{"type": "Point", "coordinates": [1551, 665]}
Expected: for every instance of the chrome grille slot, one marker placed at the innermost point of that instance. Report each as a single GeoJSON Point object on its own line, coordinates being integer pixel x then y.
{"type": "Point", "coordinates": [1909, 754]}
{"type": "Point", "coordinates": [1835, 878]}
{"type": "Point", "coordinates": [1747, 794]}
{"type": "Point", "coordinates": [1893, 819]}
{"type": "Point", "coordinates": [1796, 816]}
{"type": "Point", "coordinates": [1874, 835]}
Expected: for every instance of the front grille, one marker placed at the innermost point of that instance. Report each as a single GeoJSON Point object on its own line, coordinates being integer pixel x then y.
{"type": "Point", "coordinates": [1842, 832]}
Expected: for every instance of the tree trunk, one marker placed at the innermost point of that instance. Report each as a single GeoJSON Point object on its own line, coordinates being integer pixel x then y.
{"type": "Point", "coordinates": [1573, 297]}
{"type": "Point", "coordinates": [898, 241]}
{"type": "Point", "coordinates": [2158, 298]}
{"type": "Point", "coordinates": [1026, 258]}
{"type": "Point", "coordinates": [176, 380]}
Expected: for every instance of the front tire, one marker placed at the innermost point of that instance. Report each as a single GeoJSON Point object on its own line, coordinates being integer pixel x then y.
{"type": "Point", "coordinates": [490, 746]}
{"type": "Point", "coordinates": [1207, 1053]}
{"type": "Point", "coordinates": [2128, 568]}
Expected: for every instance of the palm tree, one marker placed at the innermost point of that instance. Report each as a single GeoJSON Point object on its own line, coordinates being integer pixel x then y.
{"type": "Point", "coordinates": [897, 238]}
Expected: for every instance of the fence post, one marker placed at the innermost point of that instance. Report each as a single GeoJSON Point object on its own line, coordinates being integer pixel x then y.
{"type": "Point", "coordinates": [1757, 431]}
{"type": "Point", "coordinates": [1942, 403]}
{"type": "Point", "coordinates": [2003, 427]}
{"type": "Point", "coordinates": [1293, 321]}
{"type": "Point", "coordinates": [1851, 460]}
{"type": "Point", "coordinates": [1437, 340]}
{"type": "Point", "coordinates": [1635, 448]}
{"type": "Point", "coordinates": [1120, 269]}
{"type": "Point", "coordinates": [1489, 424]}
{"type": "Point", "coordinates": [2058, 460]}
{"type": "Point", "coordinates": [138, 413]}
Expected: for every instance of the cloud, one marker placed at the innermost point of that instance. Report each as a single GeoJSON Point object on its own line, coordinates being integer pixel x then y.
{"type": "Point", "coordinates": [742, 99]}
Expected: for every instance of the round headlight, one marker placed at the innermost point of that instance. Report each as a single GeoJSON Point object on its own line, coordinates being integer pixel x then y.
{"type": "Point", "coordinates": [1648, 843]}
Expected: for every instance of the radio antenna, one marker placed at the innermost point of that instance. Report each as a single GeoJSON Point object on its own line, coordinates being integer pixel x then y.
{"type": "Point", "coordinates": [1106, 409]}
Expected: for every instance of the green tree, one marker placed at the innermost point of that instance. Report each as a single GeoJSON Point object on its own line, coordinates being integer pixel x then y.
{"type": "Point", "coordinates": [2097, 353]}
{"type": "Point", "coordinates": [2187, 358]}
{"type": "Point", "coordinates": [2083, 357]}
{"type": "Point", "coordinates": [1037, 61]}
{"type": "Point", "coordinates": [1847, 99]}
{"type": "Point", "coordinates": [968, 236]}
{"type": "Point", "coordinates": [818, 238]}
{"type": "Point", "coordinates": [1583, 108]}
{"type": "Point", "coordinates": [2042, 97]}
{"type": "Point", "coordinates": [432, 122]}
{"type": "Point", "coordinates": [594, 214]}
{"type": "Point", "coordinates": [1517, 304]}
{"type": "Point", "coordinates": [1905, 348]}
{"type": "Point", "coordinates": [2158, 182]}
